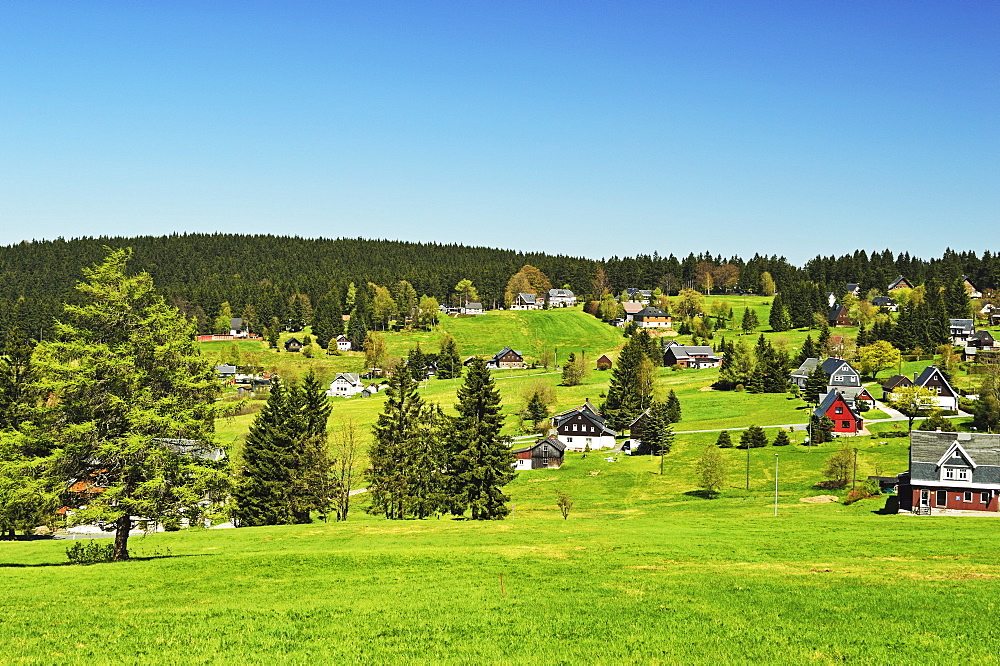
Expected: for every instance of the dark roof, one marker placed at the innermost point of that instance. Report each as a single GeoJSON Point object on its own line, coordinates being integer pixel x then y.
{"type": "Point", "coordinates": [550, 440]}
{"type": "Point", "coordinates": [236, 324]}
{"type": "Point", "coordinates": [883, 301]}
{"type": "Point", "coordinates": [928, 374]}
{"type": "Point", "coordinates": [964, 324]}
{"type": "Point", "coordinates": [588, 411]}
{"type": "Point", "coordinates": [929, 449]}
{"type": "Point", "coordinates": [852, 287]}
{"type": "Point", "coordinates": [527, 298]}
{"type": "Point", "coordinates": [806, 368]}
{"type": "Point", "coordinates": [896, 282]}
{"type": "Point", "coordinates": [835, 311]}
{"type": "Point", "coordinates": [292, 341]}
{"type": "Point", "coordinates": [560, 293]}
{"type": "Point", "coordinates": [895, 381]}
{"type": "Point", "coordinates": [650, 311]}
{"type": "Point", "coordinates": [833, 364]}
{"type": "Point", "coordinates": [828, 401]}
{"type": "Point", "coordinates": [502, 352]}
{"type": "Point", "coordinates": [983, 335]}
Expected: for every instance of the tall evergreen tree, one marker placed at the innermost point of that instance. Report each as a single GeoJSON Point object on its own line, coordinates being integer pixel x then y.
{"type": "Point", "coordinates": [262, 492]}
{"type": "Point", "coordinates": [328, 319]}
{"type": "Point", "coordinates": [956, 299]}
{"type": "Point", "coordinates": [815, 387]}
{"type": "Point", "coordinates": [628, 394]}
{"type": "Point", "coordinates": [657, 433]}
{"type": "Point", "coordinates": [673, 404]}
{"type": "Point", "coordinates": [480, 458]}
{"type": "Point", "coordinates": [808, 350]}
{"type": "Point", "coordinates": [126, 379]}
{"type": "Point", "coordinates": [724, 441]}
{"type": "Point", "coordinates": [449, 365]}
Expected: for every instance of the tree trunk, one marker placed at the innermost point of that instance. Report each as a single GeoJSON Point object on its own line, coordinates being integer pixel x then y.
{"type": "Point", "coordinates": [124, 524]}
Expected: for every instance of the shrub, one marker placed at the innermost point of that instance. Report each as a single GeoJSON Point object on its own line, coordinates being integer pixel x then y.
{"type": "Point", "coordinates": [739, 388]}
{"type": "Point", "coordinates": [90, 551]}
{"type": "Point", "coordinates": [171, 523]}
{"type": "Point", "coordinates": [869, 488]}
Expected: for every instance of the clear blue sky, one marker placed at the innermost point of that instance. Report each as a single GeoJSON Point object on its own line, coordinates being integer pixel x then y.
{"type": "Point", "coordinates": [585, 128]}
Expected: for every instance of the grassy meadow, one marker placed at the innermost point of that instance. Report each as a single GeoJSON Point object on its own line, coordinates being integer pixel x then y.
{"type": "Point", "coordinates": [644, 570]}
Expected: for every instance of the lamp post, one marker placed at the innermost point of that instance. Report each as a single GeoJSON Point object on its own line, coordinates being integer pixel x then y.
{"type": "Point", "coordinates": [775, 484]}
{"type": "Point", "coordinates": [748, 464]}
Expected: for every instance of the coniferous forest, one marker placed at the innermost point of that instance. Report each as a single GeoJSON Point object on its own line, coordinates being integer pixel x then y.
{"type": "Point", "coordinates": [199, 272]}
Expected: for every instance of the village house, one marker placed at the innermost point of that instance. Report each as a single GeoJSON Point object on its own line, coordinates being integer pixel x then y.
{"type": "Point", "coordinates": [840, 374]}
{"type": "Point", "coordinates": [561, 298]}
{"type": "Point", "coordinates": [345, 385]}
{"type": "Point", "coordinates": [604, 362]}
{"type": "Point", "coordinates": [931, 378]}
{"type": "Point", "coordinates": [899, 283]}
{"type": "Point", "coordinates": [982, 340]}
{"type": "Point", "coordinates": [293, 345]}
{"type": "Point", "coordinates": [894, 382]}
{"type": "Point", "coordinates": [525, 302]}
{"type": "Point", "coordinates": [886, 302]}
{"type": "Point", "coordinates": [583, 428]}
{"type": "Point", "coordinates": [651, 317]}
{"type": "Point", "coordinates": [846, 420]}
{"type": "Point", "coordinates": [961, 330]}
{"type": "Point", "coordinates": [546, 453]}
{"type": "Point", "coordinates": [951, 473]}
{"type": "Point", "coordinates": [632, 308]}
{"type": "Point", "coordinates": [238, 328]}
{"type": "Point", "coordinates": [343, 344]}
{"type": "Point", "coordinates": [504, 359]}
{"type": "Point", "coordinates": [853, 289]}
{"type": "Point", "coordinates": [698, 356]}
{"type": "Point", "coordinates": [643, 295]}
{"type": "Point", "coordinates": [472, 308]}
{"type": "Point", "coordinates": [225, 371]}
{"type": "Point", "coordinates": [971, 288]}
{"type": "Point", "coordinates": [839, 316]}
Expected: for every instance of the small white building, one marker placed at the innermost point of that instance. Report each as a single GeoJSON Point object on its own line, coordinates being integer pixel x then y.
{"type": "Point", "coordinates": [473, 309]}
{"type": "Point", "coordinates": [561, 298]}
{"type": "Point", "coordinates": [583, 428]}
{"type": "Point", "coordinates": [345, 385]}
{"type": "Point", "coordinates": [343, 344]}
{"type": "Point", "coordinates": [525, 302]}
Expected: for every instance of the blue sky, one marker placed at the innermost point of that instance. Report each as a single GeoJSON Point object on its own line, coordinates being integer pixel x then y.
{"type": "Point", "coordinates": [583, 128]}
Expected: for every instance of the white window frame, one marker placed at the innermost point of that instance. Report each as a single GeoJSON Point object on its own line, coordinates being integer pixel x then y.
{"type": "Point", "coordinates": [984, 497]}
{"type": "Point", "coordinates": [968, 496]}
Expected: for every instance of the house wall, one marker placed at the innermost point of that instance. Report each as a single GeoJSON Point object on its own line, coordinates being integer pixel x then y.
{"type": "Point", "coordinates": [955, 499]}
{"type": "Point", "coordinates": [854, 425]}
{"type": "Point", "coordinates": [579, 441]}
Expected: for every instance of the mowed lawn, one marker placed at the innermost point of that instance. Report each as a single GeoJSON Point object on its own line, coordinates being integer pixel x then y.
{"type": "Point", "coordinates": [644, 570]}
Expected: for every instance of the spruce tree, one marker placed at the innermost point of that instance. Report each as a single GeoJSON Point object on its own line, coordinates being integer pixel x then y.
{"type": "Point", "coordinates": [956, 298]}
{"type": "Point", "coordinates": [262, 492]}
{"type": "Point", "coordinates": [673, 407]}
{"type": "Point", "coordinates": [628, 393]}
{"type": "Point", "coordinates": [781, 439]}
{"type": "Point", "coordinates": [480, 459]}
{"type": "Point", "coordinates": [808, 350]}
{"type": "Point", "coordinates": [449, 365]}
{"type": "Point", "coordinates": [657, 433]}
{"type": "Point", "coordinates": [312, 486]}
{"type": "Point", "coordinates": [724, 441]}
{"type": "Point", "coordinates": [328, 320]}
{"type": "Point", "coordinates": [816, 385]}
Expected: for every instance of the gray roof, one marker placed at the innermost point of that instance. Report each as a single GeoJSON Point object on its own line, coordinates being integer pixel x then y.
{"type": "Point", "coordinates": [352, 378]}
{"type": "Point", "coordinates": [499, 354]}
{"type": "Point", "coordinates": [928, 373]}
{"type": "Point", "coordinates": [587, 411]}
{"type": "Point", "coordinates": [897, 281]}
{"type": "Point", "coordinates": [236, 324]}
{"type": "Point", "coordinates": [551, 441]}
{"type": "Point", "coordinates": [681, 351]}
{"type": "Point", "coordinates": [852, 287]}
{"type": "Point", "coordinates": [225, 369]}
{"type": "Point", "coordinates": [527, 298]}
{"type": "Point", "coordinates": [895, 381]}
{"type": "Point", "coordinates": [928, 448]}
{"type": "Point", "coordinates": [806, 368]}
{"type": "Point", "coordinates": [650, 311]}
{"type": "Point", "coordinates": [560, 293]}
{"type": "Point", "coordinates": [473, 306]}
{"type": "Point", "coordinates": [963, 324]}
{"type": "Point", "coordinates": [883, 301]}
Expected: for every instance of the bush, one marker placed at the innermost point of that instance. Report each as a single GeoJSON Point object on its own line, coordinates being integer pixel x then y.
{"type": "Point", "coordinates": [739, 388]}
{"type": "Point", "coordinates": [90, 551]}
{"type": "Point", "coordinates": [171, 524]}
{"type": "Point", "coordinates": [867, 489]}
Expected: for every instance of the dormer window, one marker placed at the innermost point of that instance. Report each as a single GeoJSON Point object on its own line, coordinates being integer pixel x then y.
{"type": "Point", "coordinates": [956, 474]}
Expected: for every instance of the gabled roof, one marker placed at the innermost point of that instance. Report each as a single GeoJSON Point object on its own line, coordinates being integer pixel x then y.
{"type": "Point", "coordinates": [632, 307]}
{"type": "Point", "coordinates": [895, 381]}
{"type": "Point", "coordinates": [929, 372]}
{"type": "Point", "coordinates": [854, 392]}
{"type": "Point", "coordinates": [352, 378]}
{"type": "Point", "coordinates": [829, 400]}
{"type": "Point", "coordinates": [236, 324]}
{"type": "Point", "coordinates": [500, 354]}
{"type": "Point", "coordinates": [527, 298]}
{"type": "Point", "coordinates": [983, 335]}
{"type": "Point", "coordinates": [938, 447]}
{"type": "Point", "coordinates": [650, 311]}
{"type": "Point", "coordinates": [681, 351]}
{"type": "Point", "coordinates": [956, 450]}
{"type": "Point", "coordinates": [806, 368]}
{"type": "Point", "coordinates": [883, 301]}
{"type": "Point", "coordinates": [342, 338]}
{"type": "Point", "coordinates": [588, 411]}
{"type": "Point", "coordinates": [852, 287]}
{"type": "Point", "coordinates": [832, 365]}
{"type": "Point", "coordinates": [291, 341]}
{"type": "Point", "coordinates": [225, 369]}
{"type": "Point", "coordinates": [473, 306]}
{"type": "Point", "coordinates": [560, 293]}
{"type": "Point", "coordinates": [550, 440]}
{"type": "Point", "coordinates": [835, 311]}
{"type": "Point", "coordinates": [962, 324]}
{"type": "Point", "coordinates": [587, 406]}
{"type": "Point", "coordinates": [897, 283]}
{"type": "Point", "coordinates": [965, 278]}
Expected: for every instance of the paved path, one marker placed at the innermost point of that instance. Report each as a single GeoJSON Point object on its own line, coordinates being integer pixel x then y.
{"type": "Point", "coordinates": [803, 426]}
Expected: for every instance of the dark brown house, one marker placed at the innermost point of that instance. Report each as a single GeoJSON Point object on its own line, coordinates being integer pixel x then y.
{"type": "Point", "coordinates": [293, 345]}
{"type": "Point", "coordinates": [604, 363]}
{"type": "Point", "coordinates": [546, 453]}
{"type": "Point", "coordinates": [839, 316]}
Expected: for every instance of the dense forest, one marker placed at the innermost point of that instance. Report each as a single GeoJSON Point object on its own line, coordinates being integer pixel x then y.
{"type": "Point", "coordinates": [198, 272]}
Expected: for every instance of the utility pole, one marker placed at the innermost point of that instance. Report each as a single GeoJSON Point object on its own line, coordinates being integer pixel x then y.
{"type": "Point", "coordinates": [775, 484]}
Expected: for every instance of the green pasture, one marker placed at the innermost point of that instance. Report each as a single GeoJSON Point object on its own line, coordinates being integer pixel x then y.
{"type": "Point", "coordinates": [644, 571]}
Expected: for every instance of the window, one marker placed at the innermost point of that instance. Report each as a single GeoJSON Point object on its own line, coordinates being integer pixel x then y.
{"type": "Point", "coordinates": [845, 424]}
{"type": "Point", "coordinates": [984, 498]}
{"type": "Point", "coordinates": [949, 472]}
{"type": "Point", "coordinates": [839, 410]}
{"type": "Point", "coordinates": [574, 427]}
{"type": "Point", "coordinates": [968, 496]}
{"type": "Point", "coordinates": [963, 474]}
{"type": "Point", "coordinates": [941, 499]}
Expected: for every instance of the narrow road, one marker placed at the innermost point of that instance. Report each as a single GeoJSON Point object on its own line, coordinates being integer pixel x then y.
{"type": "Point", "coordinates": [797, 426]}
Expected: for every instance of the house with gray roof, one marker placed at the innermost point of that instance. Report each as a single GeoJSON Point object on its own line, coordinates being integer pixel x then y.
{"type": "Point", "coordinates": [932, 378]}
{"type": "Point", "coordinates": [961, 330]}
{"type": "Point", "coordinates": [546, 453]}
{"type": "Point", "coordinates": [951, 472]}
{"type": "Point", "coordinates": [561, 298]}
{"type": "Point", "coordinates": [526, 302]}
{"type": "Point", "coordinates": [886, 302]}
{"type": "Point", "coordinates": [345, 385]}
{"type": "Point", "coordinates": [583, 427]}
{"type": "Point", "coordinates": [691, 356]}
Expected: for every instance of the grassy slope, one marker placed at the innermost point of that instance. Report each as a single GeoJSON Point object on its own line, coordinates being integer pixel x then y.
{"type": "Point", "coordinates": [643, 570]}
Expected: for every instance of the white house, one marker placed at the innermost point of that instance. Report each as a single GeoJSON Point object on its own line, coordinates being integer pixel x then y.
{"type": "Point", "coordinates": [525, 302]}
{"type": "Point", "coordinates": [472, 309]}
{"type": "Point", "coordinates": [582, 428]}
{"type": "Point", "coordinates": [343, 344]}
{"type": "Point", "coordinates": [345, 385]}
{"type": "Point", "coordinates": [561, 298]}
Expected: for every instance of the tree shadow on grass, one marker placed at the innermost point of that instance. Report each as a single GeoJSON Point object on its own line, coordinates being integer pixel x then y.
{"type": "Point", "coordinates": [4, 565]}
{"type": "Point", "coordinates": [701, 494]}
{"type": "Point", "coordinates": [891, 507]}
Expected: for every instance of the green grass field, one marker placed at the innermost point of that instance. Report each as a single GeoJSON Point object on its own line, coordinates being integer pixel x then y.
{"type": "Point", "coordinates": [644, 570]}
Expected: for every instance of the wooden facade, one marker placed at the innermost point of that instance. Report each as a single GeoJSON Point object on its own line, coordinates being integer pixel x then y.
{"type": "Point", "coordinates": [546, 453]}
{"type": "Point", "coordinates": [951, 472]}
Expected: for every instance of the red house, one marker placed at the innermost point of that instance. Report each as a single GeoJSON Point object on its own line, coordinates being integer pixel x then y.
{"type": "Point", "coordinates": [846, 420]}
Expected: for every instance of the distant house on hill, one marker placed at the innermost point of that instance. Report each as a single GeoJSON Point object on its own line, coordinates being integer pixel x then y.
{"type": "Point", "coordinates": [504, 359]}
{"type": "Point", "coordinates": [899, 283]}
{"type": "Point", "coordinates": [982, 340]}
{"type": "Point", "coordinates": [561, 298]}
{"type": "Point", "coordinates": [971, 288]}
{"type": "Point", "coordinates": [546, 453]}
{"type": "Point", "coordinates": [932, 378]}
{"type": "Point", "coordinates": [886, 302]}
{"type": "Point", "coordinates": [652, 317]}
{"type": "Point", "coordinates": [846, 420]}
{"type": "Point", "coordinates": [896, 381]}
{"type": "Point", "coordinates": [293, 345]}
{"type": "Point", "coordinates": [697, 356]}
{"type": "Point", "coordinates": [525, 302]}
{"type": "Point", "coordinates": [345, 385]}
{"type": "Point", "coordinates": [237, 328]}
{"type": "Point", "coordinates": [632, 308]}
{"type": "Point", "coordinates": [841, 377]}
{"type": "Point", "coordinates": [854, 289]}
{"type": "Point", "coordinates": [472, 309]}
{"type": "Point", "coordinates": [839, 316]}
{"type": "Point", "coordinates": [343, 344]}
{"type": "Point", "coordinates": [639, 294]}
{"type": "Point", "coordinates": [961, 330]}
{"type": "Point", "coordinates": [604, 362]}
{"type": "Point", "coordinates": [583, 427]}
{"type": "Point", "coordinates": [949, 472]}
